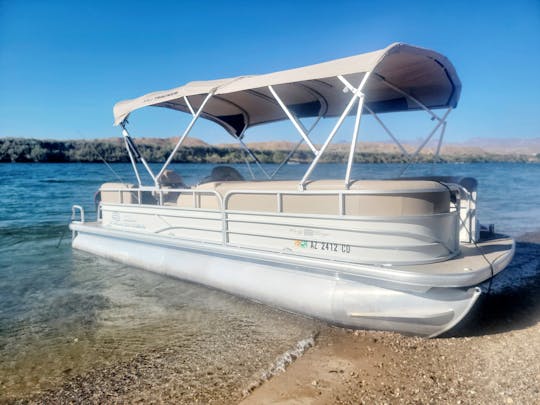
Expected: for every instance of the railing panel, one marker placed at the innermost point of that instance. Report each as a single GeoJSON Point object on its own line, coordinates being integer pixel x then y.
{"type": "Point", "coordinates": [316, 224]}
{"type": "Point", "coordinates": [390, 240]}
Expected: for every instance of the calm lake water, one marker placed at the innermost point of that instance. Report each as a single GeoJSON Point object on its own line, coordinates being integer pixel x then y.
{"type": "Point", "coordinates": [66, 314]}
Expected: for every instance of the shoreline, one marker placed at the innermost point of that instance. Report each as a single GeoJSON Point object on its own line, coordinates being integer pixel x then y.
{"type": "Point", "coordinates": [156, 150]}
{"type": "Point", "coordinates": [494, 356]}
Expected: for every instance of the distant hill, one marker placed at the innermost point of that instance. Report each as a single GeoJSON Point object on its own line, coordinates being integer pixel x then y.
{"type": "Point", "coordinates": [527, 146]}
{"type": "Point", "coordinates": [476, 146]}
{"type": "Point", "coordinates": [188, 142]}
{"type": "Point", "coordinates": [158, 149]}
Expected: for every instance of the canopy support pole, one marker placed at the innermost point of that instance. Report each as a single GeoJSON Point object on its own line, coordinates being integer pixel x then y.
{"type": "Point", "coordinates": [443, 130]}
{"type": "Point", "coordinates": [132, 160]}
{"type": "Point", "coordinates": [292, 152]}
{"type": "Point", "coordinates": [439, 144]}
{"type": "Point", "coordinates": [396, 141]}
{"type": "Point", "coordinates": [248, 165]}
{"type": "Point", "coordinates": [415, 100]}
{"type": "Point", "coordinates": [357, 94]}
{"type": "Point", "coordinates": [350, 161]}
{"type": "Point", "coordinates": [183, 137]}
{"type": "Point", "coordinates": [359, 110]}
{"type": "Point", "coordinates": [131, 146]}
{"type": "Point", "coordinates": [297, 124]}
{"type": "Point", "coordinates": [250, 153]}
{"type": "Point", "coordinates": [191, 110]}
{"type": "Point", "coordinates": [433, 131]}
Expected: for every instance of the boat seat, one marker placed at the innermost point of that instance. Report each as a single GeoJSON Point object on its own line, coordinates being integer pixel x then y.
{"type": "Point", "coordinates": [389, 198]}
{"type": "Point", "coordinates": [468, 183]}
{"type": "Point", "coordinates": [172, 179]}
{"type": "Point", "coordinates": [223, 173]}
{"type": "Point", "coordinates": [110, 194]}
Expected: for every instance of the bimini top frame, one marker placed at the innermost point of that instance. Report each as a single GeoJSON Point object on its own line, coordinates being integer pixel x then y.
{"type": "Point", "coordinates": [399, 77]}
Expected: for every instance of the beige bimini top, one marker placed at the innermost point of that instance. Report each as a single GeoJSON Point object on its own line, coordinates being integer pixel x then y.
{"type": "Point", "coordinates": [240, 102]}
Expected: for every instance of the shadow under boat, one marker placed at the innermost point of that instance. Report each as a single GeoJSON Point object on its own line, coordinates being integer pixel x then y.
{"type": "Point", "coordinates": [513, 298]}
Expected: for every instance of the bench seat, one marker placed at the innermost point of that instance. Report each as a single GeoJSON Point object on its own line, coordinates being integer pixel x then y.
{"type": "Point", "coordinates": [386, 198]}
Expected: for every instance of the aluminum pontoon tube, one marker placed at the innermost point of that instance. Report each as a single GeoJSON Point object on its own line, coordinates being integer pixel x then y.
{"type": "Point", "coordinates": [361, 303]}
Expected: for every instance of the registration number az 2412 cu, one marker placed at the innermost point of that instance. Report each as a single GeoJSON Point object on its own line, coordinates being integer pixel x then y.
{"type": "Point", "coordinates": [324, 246]}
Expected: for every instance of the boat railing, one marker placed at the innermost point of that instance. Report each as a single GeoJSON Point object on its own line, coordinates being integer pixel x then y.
{"type": "Point", "coordinates": [156, 196]}
{"type": "Point", "coordinates": [466, 199]}
{"type": "Point", "coordinates": [170, 196]}
{"type": "Point", "coordinates": [469, 225]}
{"type": "Point", "coordinates": [77, 209]}
{"type": "Point", "coordinates": [341, 195]}
{"type": "Point", "coordinates": [206, 215]}
{"type": "Point", "coordinates": [343, 234]}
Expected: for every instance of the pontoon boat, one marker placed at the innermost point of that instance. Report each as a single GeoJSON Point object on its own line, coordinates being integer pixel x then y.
{"type": "Point", "coordinates": [403, 254]}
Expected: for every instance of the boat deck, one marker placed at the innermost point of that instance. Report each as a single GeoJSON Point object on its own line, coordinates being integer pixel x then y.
{"type": "Point", "coordinates": [471, 257]}
{"type": "Point", "coordinates": [472, 266]}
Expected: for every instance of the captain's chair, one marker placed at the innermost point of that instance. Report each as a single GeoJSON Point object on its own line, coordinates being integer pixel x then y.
{"type": "Point", "coordinates": [223, 173]}
{"type": "Point", "coordinates": [171, 179]}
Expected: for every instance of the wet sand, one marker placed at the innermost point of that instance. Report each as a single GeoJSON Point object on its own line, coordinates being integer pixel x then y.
{"type": "Point", "coordinates": [494, 356]}
{"type": "Point", "coordinates": [359, 367]}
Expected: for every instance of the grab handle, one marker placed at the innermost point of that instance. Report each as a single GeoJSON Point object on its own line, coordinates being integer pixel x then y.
{"type": "Point", "coordinates": [74, 210]}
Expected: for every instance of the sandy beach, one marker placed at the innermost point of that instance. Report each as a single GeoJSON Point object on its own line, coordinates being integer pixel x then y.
{"type": "Point", "coordinates": [348, 367]}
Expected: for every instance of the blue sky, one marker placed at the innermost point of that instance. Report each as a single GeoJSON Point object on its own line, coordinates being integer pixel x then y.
{"type": "Point", "coordinates": [63, 64]}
